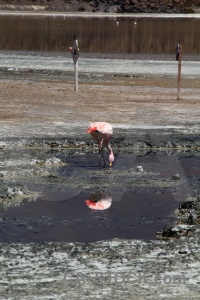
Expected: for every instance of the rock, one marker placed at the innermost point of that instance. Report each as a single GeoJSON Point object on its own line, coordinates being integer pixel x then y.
{"type": "Point", "coordinates": [139, 169]}
{"type": "Point", "coordinates": [53, 161]}
{"type": "Point", "coordinates": [14, 192]}
{"type": "Point", "coordinates": [176, 177]}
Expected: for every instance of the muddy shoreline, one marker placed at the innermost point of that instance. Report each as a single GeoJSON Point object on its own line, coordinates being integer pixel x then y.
{"type": "Point", "coordinates": [100, 6]}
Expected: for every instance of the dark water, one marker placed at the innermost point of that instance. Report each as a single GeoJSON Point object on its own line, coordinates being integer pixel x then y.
{"type": "Point", "coordinates": [135, 216]}
{"type": "Point", "coordinates": [132, 209]}
{"type": "Point", "coordinates": [100, 35]}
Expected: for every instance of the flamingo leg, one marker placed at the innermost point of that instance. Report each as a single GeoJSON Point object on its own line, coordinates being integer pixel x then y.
{"type": "Point", "coordinates": [101, 152]}
{"type": "Point", "coordinates": [104, 164]}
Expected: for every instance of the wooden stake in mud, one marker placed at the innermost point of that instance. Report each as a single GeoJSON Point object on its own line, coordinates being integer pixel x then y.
{"type": "Point", "coordinates": [75, 55]}
{"type": "Point", "coordinates": [179, 47]}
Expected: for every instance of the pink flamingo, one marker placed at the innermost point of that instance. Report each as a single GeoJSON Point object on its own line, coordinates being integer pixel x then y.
{"type": "Point", "coordinates": [102, 133]}
{"type": "Point", "coordinates": [100, 201]}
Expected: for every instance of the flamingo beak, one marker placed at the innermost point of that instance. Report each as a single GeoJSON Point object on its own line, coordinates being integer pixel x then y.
{"type": "Point", "coordinates": [110, 164]}
{"type": "Point", "coordinates": [89, 202]}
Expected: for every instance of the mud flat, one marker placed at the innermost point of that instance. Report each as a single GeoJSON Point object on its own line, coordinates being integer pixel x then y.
{"type": "Point", "coordinates": [45, 153]}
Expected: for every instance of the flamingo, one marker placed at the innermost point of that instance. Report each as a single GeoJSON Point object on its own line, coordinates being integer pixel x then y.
{"type": "Point", "coordinates": [100, 201]}
{"type": "Point", "coordinates": [102, 133]}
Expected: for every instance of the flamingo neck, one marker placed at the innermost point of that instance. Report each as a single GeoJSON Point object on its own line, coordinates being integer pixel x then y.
{"type": "Point", "coordinates": [111, 154]}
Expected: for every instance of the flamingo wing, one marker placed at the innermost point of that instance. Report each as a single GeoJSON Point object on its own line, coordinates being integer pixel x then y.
{"type": "Point", "coordinates": [101, 127]}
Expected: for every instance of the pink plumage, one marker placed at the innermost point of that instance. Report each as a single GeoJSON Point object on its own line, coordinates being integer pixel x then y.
{"type": "Point", "coordinates": [100, 201]}
{"type": "Point", "coordinates": [102, 132]}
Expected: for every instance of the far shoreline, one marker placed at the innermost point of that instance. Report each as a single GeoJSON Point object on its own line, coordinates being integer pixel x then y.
{"type": "Point", "coordinates": [98, 15]}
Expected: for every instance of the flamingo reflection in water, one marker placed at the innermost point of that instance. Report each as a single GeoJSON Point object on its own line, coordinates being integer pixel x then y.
{"type": "Point", "coordinates": [100, 201]}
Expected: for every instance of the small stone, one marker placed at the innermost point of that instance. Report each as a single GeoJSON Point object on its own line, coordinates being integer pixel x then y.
{"type": "Point", "coordinates": [176, 177]}
{"type": "Point", "coordinates": [53, 161]}
{"type": "Point", "coordinates": [182, 252]}
{"type": "Point", "coordinates": [139, 169]}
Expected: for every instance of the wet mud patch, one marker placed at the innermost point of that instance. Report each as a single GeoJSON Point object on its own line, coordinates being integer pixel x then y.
{"type": "Point", "coordinates": [64, 195]}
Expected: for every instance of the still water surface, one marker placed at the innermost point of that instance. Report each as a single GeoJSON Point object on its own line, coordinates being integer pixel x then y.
{"type": "Point", "coordinates": [136, 205]}
{"type": "Point", "coordinates": [100, 35]}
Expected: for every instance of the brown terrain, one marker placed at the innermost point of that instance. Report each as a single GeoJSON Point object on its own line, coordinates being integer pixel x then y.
{"type": "Point", "coordinates": [132, 101]}
{"type": "Point", "coordinates": [114, 6]}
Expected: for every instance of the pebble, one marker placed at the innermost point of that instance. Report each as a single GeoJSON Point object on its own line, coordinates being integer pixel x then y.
{"type": "Point", "coordinates": [139, 169]}
{"type": "Point", "coordinates": [176, 177]}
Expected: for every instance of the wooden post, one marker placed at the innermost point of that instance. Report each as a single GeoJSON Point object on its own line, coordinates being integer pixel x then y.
{"type": "Point", "coordinates": [76, 76]}
{"type": "Point", "coordinates": [75, 55]}
{"type": "Point", "coordinates": [179, 72]}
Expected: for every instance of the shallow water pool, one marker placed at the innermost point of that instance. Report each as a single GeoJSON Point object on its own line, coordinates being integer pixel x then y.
{"type": "Point", "coordinates": [133, 200]}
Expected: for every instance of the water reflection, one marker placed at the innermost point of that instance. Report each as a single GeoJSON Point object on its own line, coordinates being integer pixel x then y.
{"type": "Point", "coordinates": [100, 35]}
{"type": "Point", "coordinates": [99, 201]}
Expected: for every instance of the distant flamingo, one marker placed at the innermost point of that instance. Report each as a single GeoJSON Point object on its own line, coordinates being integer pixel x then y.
{"type": "Point", "coordinates": [102, 132]}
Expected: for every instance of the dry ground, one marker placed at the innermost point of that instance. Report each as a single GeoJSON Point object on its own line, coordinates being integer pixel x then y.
{"type": "Point", "coordinates": [136, 102]}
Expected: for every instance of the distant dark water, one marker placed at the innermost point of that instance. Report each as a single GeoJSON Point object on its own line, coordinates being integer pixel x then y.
{"type": "Point", "coordinates": [100, 35]}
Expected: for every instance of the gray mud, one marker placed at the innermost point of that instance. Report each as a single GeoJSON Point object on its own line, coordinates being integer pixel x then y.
{"type": "Point", "coordinates": [138, 270]}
